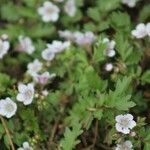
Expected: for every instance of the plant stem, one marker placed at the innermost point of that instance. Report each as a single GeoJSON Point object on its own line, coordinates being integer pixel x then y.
{"type": "Point", "coordinates": [95, 133]}
{"type": "Point", "coordinates": [104, 146]}
{"type": "Point", "coordinates": [7, 132]}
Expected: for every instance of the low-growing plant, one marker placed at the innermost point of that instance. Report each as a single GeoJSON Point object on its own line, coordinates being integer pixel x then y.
{"type": "Point", "coordinates": [74, 75]}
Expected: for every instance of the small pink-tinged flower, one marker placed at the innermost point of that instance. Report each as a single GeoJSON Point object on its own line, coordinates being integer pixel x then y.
{"type": "Point", "coordinates": [53, 48]}
{"type": "Point", "coordinates": [49, 12]}
{"type": "Point", "coordinates": [109, 67]}
{"type": "Point", "coordinates": [70, 8]}
{"type": "Point", "coordinates": [34, 67]}
{"type": "Point", "coordinates": [140, 31]}
{"type": "Point", "coordinates": [25, 45]}
{"type": "Point", "coordinates": [43, 78]}
{"type": "Point", "coordinates": [84, 39]}
{"type": "Point", "coordinates": [68, 35]}
{"type": "Point", "coordinates": [58, 46]}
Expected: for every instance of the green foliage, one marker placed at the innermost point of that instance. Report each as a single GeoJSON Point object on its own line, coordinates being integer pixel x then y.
{"type": "Point", "coordinates": [69, 142]}
{"type": "Point", "coordinates": [5, 82]}
{"type": "Point", "coordinates": [144, 13]}
{"type": "Point", "coordinates": [120, 21]}
{"type": "Point", "coordinates": [98, 55]}
{"type": "Point", "coordinates": [79, 108]}
{"type": "Point", "coordinates": [145, 78]}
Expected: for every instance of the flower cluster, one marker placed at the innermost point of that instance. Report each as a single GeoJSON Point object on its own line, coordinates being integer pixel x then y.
{"type": "Point", "coordinates": [83, 75]}
{"type": "Point", "coordinates": [49, 53]}
{"type": "Point", "coordinates": [110, 52]}
{"type": "Point", "coordinates": [50, 12]}
{"type": "Point", "coordinates": [124, 123]}
{"type": "Point", "coordinates": [81, 39]}
{"type": "Point", "coordinates": [141, 31]}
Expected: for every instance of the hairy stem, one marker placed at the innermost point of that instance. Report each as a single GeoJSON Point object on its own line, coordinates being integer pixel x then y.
{"type": "Point", "coordinates": [7, 132]}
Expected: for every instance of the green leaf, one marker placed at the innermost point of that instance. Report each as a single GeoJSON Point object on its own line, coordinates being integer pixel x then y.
{"type": "Point", "coordinates": [6, 141]}
{"type": "Point", "coordinates": [2, 130]}
{"type": "Point", "coordinates": [144, 13]}
{"type": "Point", "coordinates": [41, 30]}
{"type": "Point", "coordinates": [98, 114]}
{"type": "Point", "coordinates": [146, 146]}
{"type": "Point", "coordinates": [107, 5]}
{"type": "Point", "coordinates": [9, 12]}
{"type": "Point", "coordinates": [5, 81]}
{"type": "Point", "coordinates": [93, 79]}
{"type": "Point", "coordinates": [70, 137]}
{"type": "Point", "coordinates": [94, 13]}
{"type": "Point", "coordinates": [123, 47]}
{"type": "Point", "coordinates": [99, 48]}
{"type": "Point", "coordinates": [90, 26]}
{"type": "Point", "coordinates": [146, 77]}
{"type": "Point", "coordinates": [120, 98]}
{"type": "Point", "coordinates": [120, 21]}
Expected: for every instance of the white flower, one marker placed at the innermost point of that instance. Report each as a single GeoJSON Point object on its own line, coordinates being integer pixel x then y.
{"type": "Point", "coordinates": [26, 146]}
{"type": "Point", "coordinates": [84, 39]}
{"type": "Point", "coordinates": [56, 47]}
{"type": "Point", "coordinates": [133, 134]}
{"type": "Point", "coordinates": [8, 108]}
{"type": "Point", "coordinates": [43, 78]}
{"type": "Point", "coordinates": [125, 123]}
{"type": "Point", "coordinates": [26, 93]}
{"type": "Point", "coordinates": [70, 8]}
{"type": "Point", "coordinates": [140, 31]}
{"type": "Point", "coordinates": [148, 29]}
{"type": "Point", "coordinates": [109, 67]}
{"type": "Point", "coordinates": [130, 3]}
{"type": "Point", "coordinates": [34, 67]}
{"type": "Point", "coordinates": [44, 92]}
{"type": "Point", "coordinates": [49, 12]}
{"type": "Point", "coordinates": [68, 35]}
{"type": "Point", "coordinates": [4, 37]}
{"type": "Point", "coordinates": [110, 52]}
{"type": "Point", "coordinates": [48, 55]}
{"type": "Point", "coordinates": [25, 45]}
{"type": "Point", "coordinates": [127, 145]}
{"type": "Point", "coordinates": [4, 47]}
